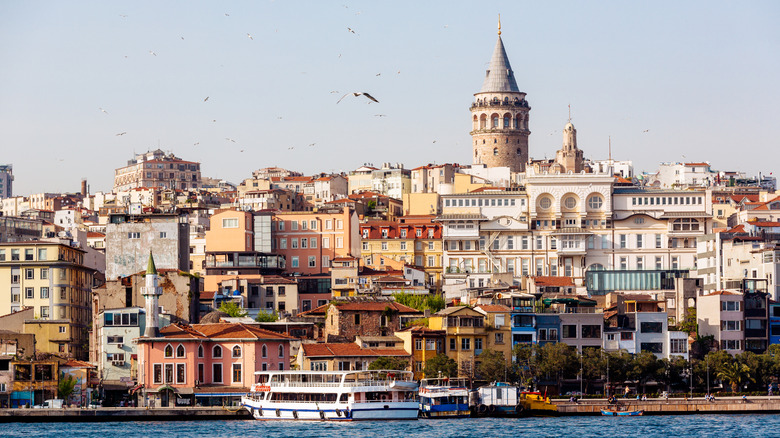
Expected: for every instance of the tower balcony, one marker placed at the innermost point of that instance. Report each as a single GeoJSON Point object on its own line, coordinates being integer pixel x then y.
{"type": "Point", "coordinates": [501, 131]}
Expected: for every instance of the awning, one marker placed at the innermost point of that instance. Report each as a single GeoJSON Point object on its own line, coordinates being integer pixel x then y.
{"type": "Point", "coordinates": [164, 387]}
{"type": "Point", "coordinates": [221, 394]}
{"type": "Point", "coordinates": [136, 388]}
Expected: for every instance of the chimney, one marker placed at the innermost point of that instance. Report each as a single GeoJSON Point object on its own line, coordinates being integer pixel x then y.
{"type": "Point", "coordinates": [84, 187]}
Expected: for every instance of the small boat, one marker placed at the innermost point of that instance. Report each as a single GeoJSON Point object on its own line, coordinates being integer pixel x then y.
{"type": "Point", "coordinates": [336, 395]}
{"type": "Point", "coordinates": [621, 413]}
{"type": "Point", "coordinates": [504, 400]}
{"type": "Point", "coordinates": [444, 398]}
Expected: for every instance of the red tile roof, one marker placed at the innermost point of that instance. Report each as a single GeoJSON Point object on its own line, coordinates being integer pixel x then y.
{"type": "Point", "coordinates": [494, 308]}
{"type": "Point", "coordinates": [737, 229]}
{"type": "Point", "coordinates": [348, 349]}
{"type": "Point", "coordinates": [722, 292]}
{"type": "Point", "coordinates": [765, 224]}
{"type": "Point", "coordinates": [373, 306]}
{"type": "Point", "coordinates": [219, 331]}
{"type": "Point", "coordinates": [553, 281]}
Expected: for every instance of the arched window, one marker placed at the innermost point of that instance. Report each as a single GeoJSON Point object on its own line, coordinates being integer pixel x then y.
{"type": "Point", "coordinates": [518, 121]}
{"type": "Point", "coordinates": [483, 121]}
{"type": "Point", "coordinates": [519, 151]}
{"type": "Point", "coordinates": [281, 351]}
{"type": "Point", "coordinates": [237, 351]}
{"type": "Point", "coordinates": [495, 151]}
{"type": "Point", "coordinates": [168, 351]}
{"type": "Point", "coordinates": [180, 351]}
{"type": "Point", "coordinates": [507, 121]}
{"type": "Point", "coordinates": [494, 121]}
{"type": "Point", "coordinates": [570, 202]}
{"type": "Point", "coordinates": [200, 351]}
{"type": "Point", "coordinates": [595, 202]}
{"type": "Point", "coordinates": [264, 351]}
{"type": "Point", "coordinates": [216, 352]}
{"type": "Point", "coordinates": [476, 122]}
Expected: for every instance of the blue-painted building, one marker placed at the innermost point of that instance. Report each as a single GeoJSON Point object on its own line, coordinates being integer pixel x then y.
{"type": "Point", "coordinates": [548, 328]}
{"type": "Point", "coordinates": [523, 319]}
{"type": "Point", "coordinates": [774, 323]}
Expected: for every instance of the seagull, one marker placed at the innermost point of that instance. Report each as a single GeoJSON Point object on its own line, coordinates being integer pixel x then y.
{"type": "Point", "coordinates": [196, 143]}
{"type": "Point", "coordinates": [242, 150]}
{"type": "Point", "coordinates": [121, 133]}
{"type": "Point", "coordinates": [379, 74]}
{"type": "Point", "coordinates": [359, 94]}
{"type": "Point", "coordinates": [250, 37]}
{"type": "Point", "coordinates": [334, 91]}
{"type": "Point", "coordinates": [206, 99]}
{"type": "Point", "coordinates": [290, 148]}
{"type": "Point", "coordinates": [646, 130]}
{"type": "Point", "coordinates": [104, 111]}
{"type": "Point", "coordinates": [214, 120]}
{"type": "Point", "coordinates": [434, 141]}
{"type": "Point", "coordinates": [350, 30]}
{"type": "Point", "coordinates": [152, 53]}
{"type": "Point", "coordinates": [182, 38]}
{"type": "Point", "coordinates": [312, 144]}
{"type": "Point", "coordinates": [230, 139]}
{"type": "Point", "coordinates": [227, 15]}
{"type": "Point", "coordinates": [380, 115]}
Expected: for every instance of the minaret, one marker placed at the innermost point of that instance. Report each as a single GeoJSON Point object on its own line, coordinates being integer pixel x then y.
{"type": "Point", "coordinates": [150, 292]}
{"type": "Point", "coordinates": [499, 116]}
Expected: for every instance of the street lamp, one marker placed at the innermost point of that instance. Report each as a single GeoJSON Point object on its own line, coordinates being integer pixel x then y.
{"type": "Point", "coordinates": [581, 374]}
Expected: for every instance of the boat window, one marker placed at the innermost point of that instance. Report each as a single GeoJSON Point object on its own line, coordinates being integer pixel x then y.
{"type": "Point", "coordinates": [343, 398]}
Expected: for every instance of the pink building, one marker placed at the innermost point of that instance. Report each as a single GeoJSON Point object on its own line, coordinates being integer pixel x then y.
{"type": "Point", "coordinates": [309, 241]}
{"type": "Point", "coordinates": [206, 364]}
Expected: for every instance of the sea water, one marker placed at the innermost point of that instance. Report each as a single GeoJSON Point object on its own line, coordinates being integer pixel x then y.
{"type": "Point", "coordinates": [722, 426]}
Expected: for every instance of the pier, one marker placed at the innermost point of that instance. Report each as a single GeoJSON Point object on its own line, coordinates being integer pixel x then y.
{"type": "Point", "coordinates": [122, 414]}
{"type": "Point", "coordinates": [675, 406]}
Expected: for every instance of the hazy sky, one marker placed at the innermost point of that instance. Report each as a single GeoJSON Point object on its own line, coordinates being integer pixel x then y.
{"type": "Point", "coordinates": [700, 76]}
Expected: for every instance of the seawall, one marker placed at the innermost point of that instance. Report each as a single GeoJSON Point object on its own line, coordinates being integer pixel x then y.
{"type": "Point", "coordinates": [122, 414]}
{"type": "Point", "coordinates": [725, 405]}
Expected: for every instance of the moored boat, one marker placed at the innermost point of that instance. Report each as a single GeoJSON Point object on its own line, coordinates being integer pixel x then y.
{"type": "Point", "coordinates": [444, 398]}
{"type": "Point", "coordinates": [336, 395]}
{"type": "Point", "coordinates": [504, 400]}
{"type": "Point", "coordinates": [621, 413]}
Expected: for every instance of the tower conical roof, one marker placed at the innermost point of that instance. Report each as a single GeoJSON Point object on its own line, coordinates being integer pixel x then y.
{"type": "Point", "coordinates": [499, 77]}
{"type": "Point", "coordinates": [150, 268]}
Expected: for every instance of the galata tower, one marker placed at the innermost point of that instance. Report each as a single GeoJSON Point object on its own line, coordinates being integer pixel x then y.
{"type": "Point", "coordinates": [499, 116]}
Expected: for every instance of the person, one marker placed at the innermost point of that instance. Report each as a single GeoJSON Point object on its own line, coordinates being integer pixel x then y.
{"type": "Point", "coordinates": [626, 391]}
{"type": "Point", "coordinates": [770, 390]}
{"type": "Point", "coordinates": [644, 397]}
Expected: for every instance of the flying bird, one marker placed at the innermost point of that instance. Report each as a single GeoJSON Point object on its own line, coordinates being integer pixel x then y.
{"type": "Point", "coordinates": [123, 15]}
{"type": "Point", "coordinates": [290, 148]}
{"type": "Point", "coordinates": [250, 37]}
{"type": "Point", "coordinates": [312, 144]}
{"type": "Point", "coordinates": [379, 74]}
{"type": "Point", "coordinates": [121, 133]}
{"type": "Point", "coordinates": [206, 99]}
{"type": "Point", "coordinates": [230, 139]}
{"type": "Point", "coordinates": [359, 94]}
{"type": "Point", "coordinates": [152, 53]}
{"type": "Point", "coordinates": [646, 130]}
{"type": "Point", "coordinates": [380, 115]}
{"type": "Point", "coordinates": [334, 91]}
{"type": "Point", "coordinates": [350, 30]}
{"type": "Point", "coordinates": [227, 15]}
{"type": "Point", "coordinates": [104, 111]}
{"type": "Point", "coordinates": [196, 143]}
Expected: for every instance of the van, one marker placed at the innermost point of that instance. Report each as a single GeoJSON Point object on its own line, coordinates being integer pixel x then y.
{"type": "Point", "coordinates": [51, 404]}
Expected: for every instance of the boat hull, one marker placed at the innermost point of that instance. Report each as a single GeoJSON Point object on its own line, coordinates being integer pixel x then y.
{"type": "Point", "coordinates": [445, 411]}
{"type": "Point", "coordinates": [332, 411]}
{"type": "Point", "coordinates": [608, 413]}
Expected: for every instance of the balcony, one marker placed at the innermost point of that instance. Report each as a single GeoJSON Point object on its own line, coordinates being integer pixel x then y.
{"type": "Point", "coordinates": [244, 260]}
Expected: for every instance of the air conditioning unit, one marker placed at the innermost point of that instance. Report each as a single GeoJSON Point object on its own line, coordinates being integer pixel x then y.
{"type": "Point", "coordinates": [118, 363]}
{"type": "Point", "coordinates": [120, 346]}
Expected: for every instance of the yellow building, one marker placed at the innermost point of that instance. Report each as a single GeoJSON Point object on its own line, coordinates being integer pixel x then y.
{"type": "Point", "coordinates": [423, 344]}
{"type": "Point", "coordinates": [411, 240]}
{"type": "Point", "coordinates": [466, 336]}
{"type": "Point", "coordinates": [499, 329]}
{"type": "Point", "coordinates": [52, 279]}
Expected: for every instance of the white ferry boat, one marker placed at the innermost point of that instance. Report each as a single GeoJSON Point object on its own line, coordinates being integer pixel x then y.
{"type": "Point", "coordinates": [440, 398]}
{"type": "Point", "coordinates": [336, 395]}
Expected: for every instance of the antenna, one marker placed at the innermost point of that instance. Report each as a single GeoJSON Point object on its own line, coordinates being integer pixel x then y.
{"type": "Point", "coordinates": [610, 148]}
{"type": "Point", "coordinates": [569, 113]}
{"type": "Point", "coordinates": [499, 24]}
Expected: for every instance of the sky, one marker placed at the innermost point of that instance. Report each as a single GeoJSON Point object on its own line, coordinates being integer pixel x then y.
{"type": "Point", "coordinates": [666, 81]}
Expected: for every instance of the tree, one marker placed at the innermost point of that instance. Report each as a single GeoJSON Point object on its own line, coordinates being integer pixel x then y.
{"type": "Point", "coordinates": [646, 367]}
{"type": "Point", "coordinates": [736, 374]}
{"type": "Point", "coordinates": [525, 361]}
{"type": "Point", "coordinates": [492, 366]}
{"type": "Point", "coordinates": [232, 309]}
{"type": "Point", "coordinates": [556, 361]}
{"type": "Point", "coordinates": [66, 386]}
{"type": "Point", "coordinates": [267, 317]}
{"type": "Point", "coordinates": [594, 365]}
{"type": "Point", "coordinates": [441, 363]}
{"type": "Point", "coordinates": [389, 363]}
{"type": "Point", "coordinates": [689, 324]}
{"type": "Point", "coordinates": [434, 303]}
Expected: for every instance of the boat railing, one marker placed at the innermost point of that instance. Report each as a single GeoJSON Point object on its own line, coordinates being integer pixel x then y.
{"type": "Point", "coordinates": [349, 384]}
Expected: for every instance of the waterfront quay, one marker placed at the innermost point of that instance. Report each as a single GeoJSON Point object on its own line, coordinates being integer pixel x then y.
{"type": "Point", "coordinates": [121, 414]}
{"type": "Point", "coordinates": [674, 406]}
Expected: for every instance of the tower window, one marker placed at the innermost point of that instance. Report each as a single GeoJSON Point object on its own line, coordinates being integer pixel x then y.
{"type": "Point", "coordinates": [519, 152]}
{"type": "Point", "coordinates": [495, 151]}
{"type": "Point", "coordinates": [495, 140]}
{"type": "Point", "coordinates": [495, 121]}
{"type": "Point", "coordinates": [483, 141]}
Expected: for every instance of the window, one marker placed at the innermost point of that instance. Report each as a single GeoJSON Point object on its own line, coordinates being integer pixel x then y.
{"type": "Point", "coordinates": [639, 240]}
{"type": "Point", "coordinates": [384, 246]}
{"type": "Point", "coordinates": [595, 202]}
{"type": "Point", "coordinates": [626, 336]}
{"type": "Point", "coordinates": [157, 373]}
{"type": "Point", "coordinates": [180, 374]}
{"type": "Point", "coordinates": [281, 352]}
{"type": "Point", "coordinates": [312, 261]}
{"type": "Point", "coordinates": [453, 344]}
{"type": "Point", "coordinates": [731, 344]}
{"type": "Point", "coordinates": [134, 235]}
{"type": "Point", "coordinates": [294, 263]}
{"type": "Point", "coordinates": [44, 273]}
{"type": "Point", "coordinates": [200, 354]}
{"type": "Point", "coordinates": [44, 292]}
{"type": "Point", "coordinates": [731, 325]}
{"type": "Point", "coordinates": [313, 242]}
{"type": "Point", "coordinates": [294, 243]}
{"type": "Point", "coordinates": [465, 344]}
{"type": "Point", "coordinates": [570, 202]}
{"type": "Point", "coordinates": [658, 262]}
{"type": "Point", "coordinates": [652, 347]}
{"type": "Point", "coordinates": [180, 352]}
{"type": "Point", "coordinates": [168, 373]}
{"type": "Point", "coordinates": [216, 376]}
{"type": "Point", "coordinates": [651, 327]}
{"type": "Point", "coordinates": [591, 331]}
{"type": "Point", "coordinates": [730, 306]}
{"type": "Point", "coordinates": [304, 242]}
{"type": "Point", "coordinates": [319, 365]}
{"type": "Point", "coordinates": [168, 351]}
{"type": "Point", "coordinates": [29, 274]}
{"type": "Point", "coordinates": [477, 343]}
{"type": "Point", "coordinates": [236, 351]}
{"type": "Point", "coordinates": [569, 331]}
{"type": "Point", "coordinates": [216, 352]}
{"type": "Point", "coordinates": [623, 241]}
{"type": "Point", "coordinates": [499, 338]}
{"type": "Point", "coordinates": [418, 344]}
{"type": "Point", "coordinates": [545, 203]}
{"type": "Point", "coordinates": [657, 240]}
{"type": "Point", "coordinates": [357, 319]}
{"type": "Point", "coordinates": [293, 225]}
{"type": "Point", "coordinates": [237, 371]}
